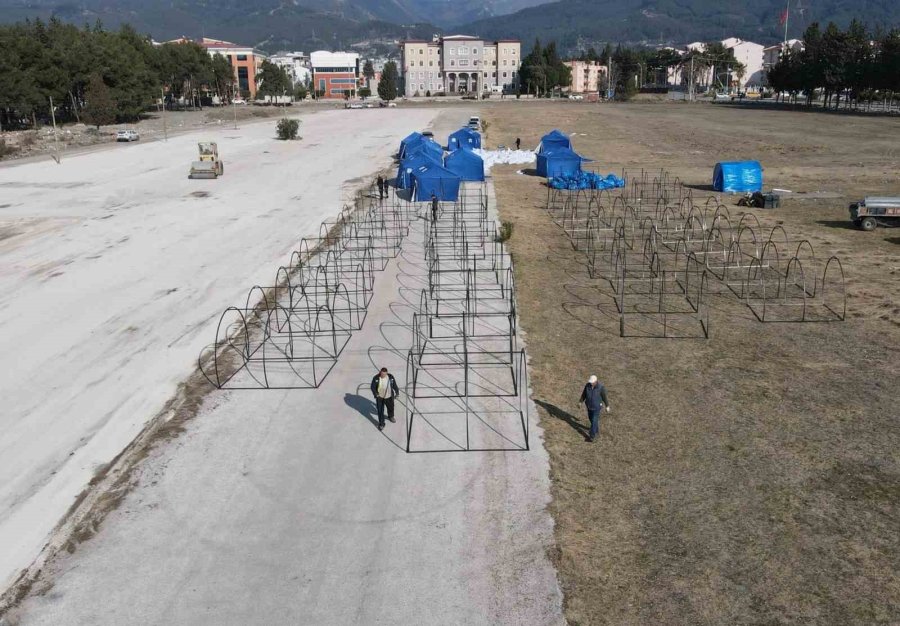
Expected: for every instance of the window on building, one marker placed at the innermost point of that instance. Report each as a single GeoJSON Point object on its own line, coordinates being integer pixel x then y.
{"type": "Point", "coordinates": [452, 62]}
{"type": "Point", "coordinates": [452, 51]}
{"type": "Point", "coordinates": [504, 74]}
{"type": "Point", "coordinates": [494, 74]}
{"type": "Point", "coordinates": [463, 50]}
{"type": "Point", "coordinates": [494, 63]}
{"type": "Point", "coordinates": [475, 51]}
{"type": "Point", "coordinates": [464, 62]}
{"type": "Point", "coordinates": [504, 61]}
{"type": "Point", "coordinates": [421, 85]}
{"type": "Point", "coordinates": [421, 51]}
{"type": "Point", "coordinates": [242, 57]}
{"type": "Point", "coordinates": [243, 79]}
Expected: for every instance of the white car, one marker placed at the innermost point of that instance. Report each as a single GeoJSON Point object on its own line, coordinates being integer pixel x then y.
{"type": "Point", "coordinates": [238, 101]}
{"type": "Point", "coordinates": [127, 135]}
{"type": "Point", "coordinates": [576, 96]}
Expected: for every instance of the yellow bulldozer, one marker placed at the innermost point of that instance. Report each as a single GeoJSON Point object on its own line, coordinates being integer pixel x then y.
{"type": "Point", "coordinates": [208, 165]}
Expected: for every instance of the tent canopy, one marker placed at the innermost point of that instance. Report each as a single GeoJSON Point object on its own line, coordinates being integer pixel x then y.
{"type": "Point", "coordinates": [434, 179]}
{"type": "Point", "coordinates": [464, 138]}
{"type": "Point", "coordinates": [426, 146]}
{"type": "Point", "coordinates": [559, 162]}
{"type": "Point", "coordinates": [465, 164]}
{"type": "Point", "coordinates": [409, 164]}
{"type": "Point", "coordinates": [738, 176]}
{"type": "Point", "coordinates": [553, 140]}
{"type": "Point", "coordinates": [409, 141]}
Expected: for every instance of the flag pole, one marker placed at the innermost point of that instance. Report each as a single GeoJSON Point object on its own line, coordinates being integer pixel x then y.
{"type": "Point", "coordinates": [787, 16]}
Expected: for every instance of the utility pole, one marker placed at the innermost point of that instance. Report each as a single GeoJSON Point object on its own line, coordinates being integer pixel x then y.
{"type": "Point", "coordinates": [58, 157]}
{"type": "Point", "coordinates": [691, 81]}
{"type": "Point", "coordinates": [162, 92]}
{"type": "Point", "coordinates": [234, 104]}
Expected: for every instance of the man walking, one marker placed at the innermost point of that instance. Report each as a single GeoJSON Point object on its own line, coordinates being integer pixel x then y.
{"type": "Point", "coordinates": [594, 398]}
{"type": "Point", "coordinates": [380, 183]}
{"type": "Point", "coordinates": [434, 207]}
{"type": "Point", "coordinates": [518, 143]}
{"type": "Point", "coordinates": [385, 389]}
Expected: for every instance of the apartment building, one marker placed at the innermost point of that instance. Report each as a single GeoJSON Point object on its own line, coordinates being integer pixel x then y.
{"type": "Point", "coordinates": [457, 64]}
{"type": "Point", "coordinates": [587, 76]}
{"type": "Point", "coordinates": [296, 64]}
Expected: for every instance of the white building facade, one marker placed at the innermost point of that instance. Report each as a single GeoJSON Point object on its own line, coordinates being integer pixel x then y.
{"type": "Point", "coordinates": [458, 64]}
{"type": "Point", "coordinates": [296, 64]}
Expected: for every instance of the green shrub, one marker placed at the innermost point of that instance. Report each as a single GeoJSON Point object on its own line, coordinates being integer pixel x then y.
{"type": "Point", "coordinates": [505, 232]}
{"type": "Point", "coordinates": [288, 128]}
{"type": "Point", "coordinates": [5, 150]}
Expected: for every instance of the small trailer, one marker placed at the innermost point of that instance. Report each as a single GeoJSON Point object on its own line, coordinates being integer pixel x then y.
{"type": "Point", "coordinates": [876, 211]}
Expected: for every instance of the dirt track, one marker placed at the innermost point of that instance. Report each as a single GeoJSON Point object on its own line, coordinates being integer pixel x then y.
{"type": "Point", "coordinates": [750, 478]}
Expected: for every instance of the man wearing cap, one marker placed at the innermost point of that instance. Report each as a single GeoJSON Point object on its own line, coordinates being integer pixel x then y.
{"type": "Point", "coordinates": [594, 398]}
{"type": "Point", "coordinates": [385, 389]}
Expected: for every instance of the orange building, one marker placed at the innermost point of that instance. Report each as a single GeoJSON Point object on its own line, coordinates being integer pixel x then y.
{"type": "Point", "coordinates": [245, 60]}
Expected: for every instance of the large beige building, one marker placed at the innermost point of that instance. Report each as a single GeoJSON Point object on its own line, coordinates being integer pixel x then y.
{"type": "Point", "coordinates": [587, 76]}
{"type": "Point", "coordinates": [458, 64]}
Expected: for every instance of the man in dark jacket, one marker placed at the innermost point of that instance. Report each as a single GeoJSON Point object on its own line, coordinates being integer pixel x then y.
{"type": "Point", "coordinates": [380, 183]}
{"type": "Point", "coordinates": [385, 389]}
{"type": "Point", "coordinates": [594, 398]}
{"type": "Point", "coordinates": [434, 207]}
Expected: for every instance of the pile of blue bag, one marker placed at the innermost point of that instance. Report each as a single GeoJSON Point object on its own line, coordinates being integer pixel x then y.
{"type": "Point", "coordinates": [587, 180]}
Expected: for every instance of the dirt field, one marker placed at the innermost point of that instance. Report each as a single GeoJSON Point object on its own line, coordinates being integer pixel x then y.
{"type": "Point", "coordinates": [749, 478]}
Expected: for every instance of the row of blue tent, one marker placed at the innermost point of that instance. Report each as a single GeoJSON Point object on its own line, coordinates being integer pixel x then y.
{"type": "Point", "coordinates": [425, 169]}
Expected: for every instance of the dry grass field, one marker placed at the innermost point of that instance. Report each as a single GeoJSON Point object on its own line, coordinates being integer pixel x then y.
{"type": "Point", "coordinates": [751, 478]}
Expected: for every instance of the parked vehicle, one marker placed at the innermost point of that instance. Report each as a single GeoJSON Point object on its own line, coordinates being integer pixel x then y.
{"type": "Point", "coordinates": [384, 104]}
{"type": "Point", "coordinates": [127, 135]}
{"type": "Point", "coordinates": [576, 96]}
{"type": "Point", "coordinates": [475, 123]}
{"type": "Point", "coordinates": [238, 101]}
{"type": "Point", "coordinates": [874, 211]}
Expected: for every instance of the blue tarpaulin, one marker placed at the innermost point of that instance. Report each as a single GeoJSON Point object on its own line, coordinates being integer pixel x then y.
{"type": "Point", "coordinates": [465, 164]}
{"type": "Point", "coordinates": [434, 179]}
{"type": "Point", "coordinates": [559, 162]}
{"type": "Point", "coordinates": [464, 138]}
{"type": "Point", "coordinates": [408, 165]}
{"type": "Point", "coordinates": [554, 140]}
{"type": "Point", "coordinates": [586, 180]}
{"type": "Point", "coordinates": [738, 176]}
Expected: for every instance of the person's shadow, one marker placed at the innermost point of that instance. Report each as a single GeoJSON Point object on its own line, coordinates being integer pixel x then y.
{"type": "Point", "coordinates": [565, 416]}
{"type": "Point", "coordinates": [365, 406]}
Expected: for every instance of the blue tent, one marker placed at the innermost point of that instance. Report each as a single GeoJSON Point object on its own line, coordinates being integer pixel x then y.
{"type": "Point", "coordinates": [409, 165]}
{"type": "Point", "coordinates": [559, 162]}
{"type": "Point", "coordinates": [464, 138]}
{"type": "Point", "coordinates": [465, 164]}
{"type": "Point", "coordinates": [428, 179]}
{"type": "Point", "coordinates": [426, 146]}
{"type": "Point", "coordinates": [409, 141]}
{"type": "Point", "coordinates": [553, 140]}
{"type": "Point", "coordinates": [738, 176]}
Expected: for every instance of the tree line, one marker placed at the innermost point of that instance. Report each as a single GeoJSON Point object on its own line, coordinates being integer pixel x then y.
{"type": "Point", "coordinates": [97, 76]}
{"type": "Point", "coordinates": [629, 69]}
{"type": "Point", "coordinates": [852, 64]}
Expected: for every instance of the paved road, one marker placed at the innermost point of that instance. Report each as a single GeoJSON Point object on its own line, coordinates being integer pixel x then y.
{"type": "Point", "coordinates": [114, 268]}
{"type": "Point", "coordinates": [291, 507]}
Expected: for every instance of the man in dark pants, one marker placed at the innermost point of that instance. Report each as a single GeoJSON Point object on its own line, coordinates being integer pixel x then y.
{"type": "Point", "coordinates": [594, 398]}
{"type": "Point", "coordinates": [385, 389]}
{"type": "Point", "coordinates": [380, 183]}
{"type": "Point", "coordinates": [518, 143]}
{"type": "Point", "coordinates": [434, 207]}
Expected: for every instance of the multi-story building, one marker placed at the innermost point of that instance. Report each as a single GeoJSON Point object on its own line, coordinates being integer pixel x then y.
{"type": "Point", "coordinates": [772, 54]}
{"type": "Point", "coordinates": [587, 76]}
{"type": "Point", "coordinates": [458, 64]}
{"type": "Point", "coordinates": [750, 55]}
{"type": "Point", "coordinates": [335, 74]}
{"type": "Point", "coordinates": [245, 60]}
{"type": "Point", "coordinates": [296, 64]}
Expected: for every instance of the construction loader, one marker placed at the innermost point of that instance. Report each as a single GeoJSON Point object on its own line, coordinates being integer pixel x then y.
{"type": "Point", "coordinates": [208, 165]}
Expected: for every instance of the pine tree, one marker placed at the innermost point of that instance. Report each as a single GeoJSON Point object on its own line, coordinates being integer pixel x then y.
{"type": "Point", "coordinates": [387, 86]}
{"type": "Point", "coordinates": [99, 107]}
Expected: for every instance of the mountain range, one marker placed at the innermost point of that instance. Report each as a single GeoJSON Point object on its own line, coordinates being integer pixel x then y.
{"type": "Point", "coordinates": [573, 24]}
